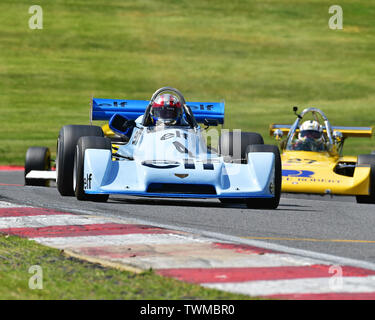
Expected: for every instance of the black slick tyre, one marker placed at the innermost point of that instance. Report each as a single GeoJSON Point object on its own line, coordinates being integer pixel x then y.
{"type": "Point", "coordinates": [66, 147]}
{"type": "Point", "coordinates": [231, 147]}
{"type": "Point", "coordinates": [78, 183]}
{"type": "Point", "coordinates": [37, 158]}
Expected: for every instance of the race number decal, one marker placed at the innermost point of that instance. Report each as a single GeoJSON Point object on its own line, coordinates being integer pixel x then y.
{"type": "Point", "coordinates": [301, 161]}
{"type": "Point", "coordinates": [180, 148]}
{"type": "Point", "coordinates": [137, 136]}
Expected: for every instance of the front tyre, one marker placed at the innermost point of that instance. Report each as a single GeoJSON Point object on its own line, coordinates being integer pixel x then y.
{"type": "Point", "coordinates": [78, 166]}
{"type": "Point", "coordinates": [66, 146]}
{"type": "Point", "coordinates": [268, 203]}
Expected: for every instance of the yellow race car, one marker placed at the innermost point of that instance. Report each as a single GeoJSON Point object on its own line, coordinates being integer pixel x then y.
{"type": "Point", "coordinates": [312, 160]}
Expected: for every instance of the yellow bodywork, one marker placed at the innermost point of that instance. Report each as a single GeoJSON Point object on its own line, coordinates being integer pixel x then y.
{"type": "Point", "coordinates": [313, 172]}
{"type": "Point", "coordinates": [110, 134]}
{"type": "Point", "coordinates": [107, 131]}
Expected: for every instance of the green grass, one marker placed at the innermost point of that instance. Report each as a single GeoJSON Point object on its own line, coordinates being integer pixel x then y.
{"type": "Point", "coordinates": [69, 278]}
{"type": "Point", "coordinates": [261, 56]}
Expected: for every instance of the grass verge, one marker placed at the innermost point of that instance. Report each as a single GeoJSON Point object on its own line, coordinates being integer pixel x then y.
{"type": "Point", "coordinates": [70, 278]}
{"type": "Point", "coordinates": [262, 57]}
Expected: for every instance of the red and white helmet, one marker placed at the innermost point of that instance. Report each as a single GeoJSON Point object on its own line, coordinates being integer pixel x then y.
{"type": "Point", "coordinates": [311, 130]}
{"type": "Point", "coordinates": [166, 109]}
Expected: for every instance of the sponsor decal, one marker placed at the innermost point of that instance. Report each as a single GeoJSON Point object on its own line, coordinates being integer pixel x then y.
{"type": "Point", "coordinates": [207, 107]}
{"type": "Point", "coordinates": [87, 181]}
{"type": "Point", "coordinates": [208, 166]}
{"type": "Point", "coordinates": [298, 173]}
{"type": "Point", "coordinates": [189, 164]}
{"type": "Point", "coordinates": [181, 134]}
{"type": "Point", "coordinates": [182, 149]}
{"type": "Point", "coordinates": [161, 164]}
{"type": "Point", "coordinates": [114, 104]}
{"type": "Point", "coordinates": [121, 104]}
{"type": "Point", "coordinates": [293, 179]}
{"type": "Point", "coordinates": [167, 136]}
{"type": "Point", "coordinates": [181, 175]}
{"type": "Point", "coordinates": [178, 134]}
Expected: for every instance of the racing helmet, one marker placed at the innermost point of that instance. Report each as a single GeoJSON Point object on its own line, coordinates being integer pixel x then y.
{"type": "Point", "coordinates": [166, 109]}
{"type": "Point", "coordinates": [311, 130]}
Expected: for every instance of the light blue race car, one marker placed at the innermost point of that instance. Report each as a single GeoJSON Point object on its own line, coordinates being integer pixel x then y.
{"type": "Point", "coordinates": [159, 150]}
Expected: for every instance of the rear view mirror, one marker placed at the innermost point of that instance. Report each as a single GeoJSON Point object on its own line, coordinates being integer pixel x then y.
{"type": "Point", "coordinates": [337, 136]}
{"type": "Point", "coordinates": [120, 124]}
{"type": "Point", "coordinates": [278, 134]}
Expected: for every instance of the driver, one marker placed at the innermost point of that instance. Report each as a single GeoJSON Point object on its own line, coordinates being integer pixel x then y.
{"type": "Point", "coordinates": [166, 110]}
{"type": "Point", "coordinates": [310, 137]}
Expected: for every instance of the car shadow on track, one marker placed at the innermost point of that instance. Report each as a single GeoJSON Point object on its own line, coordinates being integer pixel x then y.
{"type": "Point", "coordinates": [167, 202]}
{"type": "Point", "coordinates": [199, 203]}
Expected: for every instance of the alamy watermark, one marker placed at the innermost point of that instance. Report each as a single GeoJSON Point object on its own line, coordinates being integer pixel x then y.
{"type": "Point", "coordinates": [36, 280]}
{"type": "Point", "coordinates": [336, 282]}
{"type": "Point", "coordinates": [36, 20]}
{"type": "Point", "coordinates": [336, 21]}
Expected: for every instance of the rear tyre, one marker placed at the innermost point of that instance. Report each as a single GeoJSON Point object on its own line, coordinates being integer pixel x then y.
{"type": "Point", "coordinates": [37, 158]}
{"type": "Point", "coordinates": [79, 160]}
{"type": "Point", "coordinates": [268, 203]}
{"type": "Point", "coordinates": [66, 147]}
{"type": "Point", "coordinates": [368, 159]}
{"type": "Point", "coordinates": [231, 149]}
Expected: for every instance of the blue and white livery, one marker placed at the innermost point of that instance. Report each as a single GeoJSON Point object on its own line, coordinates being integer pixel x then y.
{"type": "Point", "coordinates": [173, 160]}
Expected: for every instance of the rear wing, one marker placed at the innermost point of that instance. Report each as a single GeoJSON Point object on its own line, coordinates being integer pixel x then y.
{"type": "Point", "coordinates": [359, 132]}
{"type": "Point", "coordinates": [104, 109]}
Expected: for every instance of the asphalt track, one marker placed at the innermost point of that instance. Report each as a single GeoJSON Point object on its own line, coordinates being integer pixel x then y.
{"type": "Point", "coordinates": [332, 228]}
